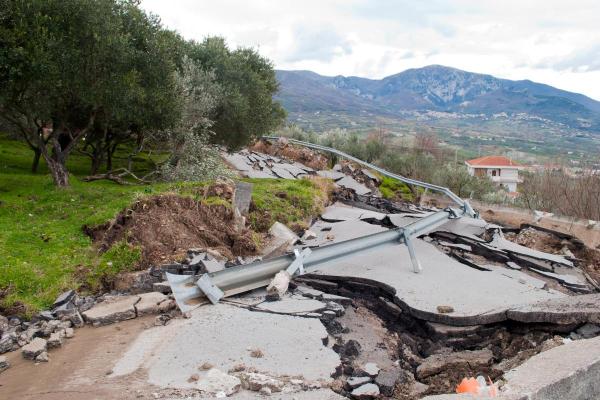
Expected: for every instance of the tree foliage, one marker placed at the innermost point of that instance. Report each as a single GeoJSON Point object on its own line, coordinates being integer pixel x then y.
{"type": "Point", "coordinates": [92, 75]}
{"type": "Point", "coordinates": [247, 109]}
{"type": "Point", "coordinates": [72, 67]}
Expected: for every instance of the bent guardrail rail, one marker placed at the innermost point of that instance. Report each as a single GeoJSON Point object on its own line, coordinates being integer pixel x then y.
{"type": "Point", "coordinates": [464, 204]}
{"type": "Point", "coordinates": [251, 276]}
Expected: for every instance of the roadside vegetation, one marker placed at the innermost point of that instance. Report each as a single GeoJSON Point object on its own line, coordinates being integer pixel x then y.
{"type": "Point", "coordinates": [100, 106]}
{"type": "Point", "coordinates": [44, 249]}
{"type": "Point", "coordinates": [425, 160]}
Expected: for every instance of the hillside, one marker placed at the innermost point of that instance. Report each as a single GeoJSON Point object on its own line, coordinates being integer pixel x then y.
{"type": "Point", "coordinates": [437, 93]}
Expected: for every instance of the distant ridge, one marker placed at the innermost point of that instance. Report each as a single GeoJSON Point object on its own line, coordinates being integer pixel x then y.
{"type": "Point", "coordinates": [436, 88]}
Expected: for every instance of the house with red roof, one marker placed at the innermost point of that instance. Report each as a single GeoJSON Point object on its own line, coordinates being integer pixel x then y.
{"type": "Point", "coordinates": [501, 170]}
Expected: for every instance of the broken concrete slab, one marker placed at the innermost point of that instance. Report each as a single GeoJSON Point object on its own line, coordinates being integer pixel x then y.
{"type": "Point", "coordinates": [350, 183]}
{"type": "Point", "coordinates": [574, 375]}
{"type": "Point", "coordinates": [338, 212]}
{"type": "Point", "coordinates": [367, 391]}
{"type": "Point", "coordinates": [215, 381]}
{"type": "Point", "coordinates": [293, 305]}
{"type": "Point", "coordinates": [315, 394]}
{"type": "Point", "coordinates": [442, 282]}
{"type": "Point", "coordinates": [401, 220]}
{"type": "Point", "coordinates": [290, 345]}
{"type": "Point", "coordinates": [34, 348]}
{"type": "Point", "coordinates": [322, 296]}
{"type": "Point", "coordinates": [466, 226]}
{"type": "Point", "coordinates": [282, 172]}
{"type": "Point", "coordinates": [242, 196]}
{"type": "Point", "coordinates": [501, 243]}
{"type": "Point", "coordinates": [153, 303]}
{"type": "Point", "coordinates": [565, 279]}
{"type": "Point", "coordinates": [564, 310]}
{"type": "Point", "coordinates": [341, 231]}
{"type": "Point", "coordinates": [331, 174]}
{"type": "Point", "coordinates": [64, 298]}
{"type": "Point", "coordinates": [370, 175]}
{"type": "Point", "coordinates": [112, 309]}
{"type": "Point", "coordinates": [437, 363]}
{"type": "Point", "coordinates": [357, 381]}
{"type": "Point", "coordinates": [386, 380]}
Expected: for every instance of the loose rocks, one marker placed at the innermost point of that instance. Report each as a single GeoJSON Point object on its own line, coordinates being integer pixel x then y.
{"type": "Point", "coordinates": [34, 348]}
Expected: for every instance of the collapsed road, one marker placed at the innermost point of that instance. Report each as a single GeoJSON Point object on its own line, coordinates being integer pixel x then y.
{"type": "Point", "coordinates": [353, 323]}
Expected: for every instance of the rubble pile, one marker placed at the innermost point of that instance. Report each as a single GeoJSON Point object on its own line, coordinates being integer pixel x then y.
{"type": "Point", "coordinates": [46, 330]}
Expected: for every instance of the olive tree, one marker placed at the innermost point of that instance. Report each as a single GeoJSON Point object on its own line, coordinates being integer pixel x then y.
{"type": "Point", "coordinates": [79, 68]}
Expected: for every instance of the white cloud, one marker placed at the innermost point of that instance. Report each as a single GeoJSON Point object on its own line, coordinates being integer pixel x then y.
{"type": "Point", "coordinates": [549, 41]}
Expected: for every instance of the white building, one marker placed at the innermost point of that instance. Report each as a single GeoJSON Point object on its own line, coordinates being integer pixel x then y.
{"type": "Point", "coordinates": [499, 169]}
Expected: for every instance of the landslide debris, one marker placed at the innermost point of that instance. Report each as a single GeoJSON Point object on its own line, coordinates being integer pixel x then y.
{"type": "Point", "coordinates": [283, 149]}
{"type": "Point", "coordinates": [166, 226]}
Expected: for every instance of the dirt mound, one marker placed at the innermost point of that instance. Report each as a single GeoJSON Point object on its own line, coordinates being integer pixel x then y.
{"type": "Point", "coordinates": [166, 226]}
{"type": "Point", "coordinates": [285, 150]}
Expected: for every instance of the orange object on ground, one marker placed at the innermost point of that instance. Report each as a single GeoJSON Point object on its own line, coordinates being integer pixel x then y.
{"type": "Point", "coordinates": [469, 385]}
{"type": "Point", "coordinates": [477, 386]}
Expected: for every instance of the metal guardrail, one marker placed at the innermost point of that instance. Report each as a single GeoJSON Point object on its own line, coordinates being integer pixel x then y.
{"type": "Point", "coordinates": [247, 277]}
{"type": "Point", "coordinates": [464, 204]}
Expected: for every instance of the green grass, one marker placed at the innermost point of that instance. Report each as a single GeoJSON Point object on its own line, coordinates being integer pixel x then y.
{"type": "Point", "coordinates": [391, 188]}
{"type": "Point", "coordinates": [291, 202]}
{"type": "Point", "coordinates": [43, 249]}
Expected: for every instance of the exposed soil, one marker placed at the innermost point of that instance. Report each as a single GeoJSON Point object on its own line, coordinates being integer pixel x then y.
{"type": "Point", "coordinates": [555, 242]}
{"type": "Point", "coordinates": [166, 226]}
{"type": "Point", "coordinates": [371, 331]}
{"type": "Point", "coordinates": [283, 149]}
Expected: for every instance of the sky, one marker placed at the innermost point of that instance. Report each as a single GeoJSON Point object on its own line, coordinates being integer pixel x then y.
{"type": "Point", "coordinates": [549, 41]}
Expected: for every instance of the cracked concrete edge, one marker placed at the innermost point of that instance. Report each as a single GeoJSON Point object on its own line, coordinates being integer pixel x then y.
{"type": "Point", "coordinates": [514, 313]}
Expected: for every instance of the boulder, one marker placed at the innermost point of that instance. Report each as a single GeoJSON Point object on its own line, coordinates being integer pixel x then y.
{"type": "Point", "coordinates": [439, 362]}
{"type": "Point", "coordinates": [112, 309]}
{"type": "Point", "coordinates": [34, 348]}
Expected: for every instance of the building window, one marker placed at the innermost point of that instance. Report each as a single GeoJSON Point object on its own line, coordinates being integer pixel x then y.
{"type": "Point", "coordinates": [494, 173]}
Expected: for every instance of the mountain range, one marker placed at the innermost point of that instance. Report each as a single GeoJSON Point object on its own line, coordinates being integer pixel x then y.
{"type": "Point", "coordinates": [440, 92]}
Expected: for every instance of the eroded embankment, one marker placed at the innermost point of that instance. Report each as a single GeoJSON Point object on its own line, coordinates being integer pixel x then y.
{"type": "Point", "coordinates": [166, 226]}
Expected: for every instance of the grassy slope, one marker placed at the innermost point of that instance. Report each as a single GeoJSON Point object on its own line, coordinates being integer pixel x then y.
{"type": "Point", "coordinates": [43, 249]}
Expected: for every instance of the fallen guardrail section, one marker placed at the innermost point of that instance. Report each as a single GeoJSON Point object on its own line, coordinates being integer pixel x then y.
{"type": "Point", "coordinates": [243, 278]}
